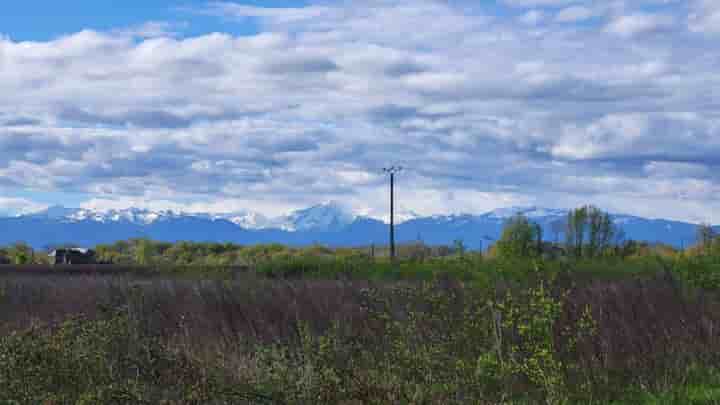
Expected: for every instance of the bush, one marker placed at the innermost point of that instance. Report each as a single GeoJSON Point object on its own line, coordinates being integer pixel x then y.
{"type": "Point", "coordinates": [447, 331]}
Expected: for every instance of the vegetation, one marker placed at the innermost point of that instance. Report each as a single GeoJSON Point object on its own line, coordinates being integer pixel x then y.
{"type": "Point", "coordinates": [589, 232]}
{"type": "Point", "coordinates": [608, 322]}
{"type": "Point", "coordinates": [19, 253]}
{"type": "Point", "coordinates": [520, 239]}
{"type": "Point", "coordinates": [636, 333]}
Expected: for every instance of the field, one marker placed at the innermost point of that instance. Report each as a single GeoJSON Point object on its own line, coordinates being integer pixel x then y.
{"type": "Point", "coordinates": [458, 331]}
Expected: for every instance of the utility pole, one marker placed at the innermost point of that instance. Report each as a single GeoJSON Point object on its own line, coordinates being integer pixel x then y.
{"type": "Point", "coordinates": [392, 170]}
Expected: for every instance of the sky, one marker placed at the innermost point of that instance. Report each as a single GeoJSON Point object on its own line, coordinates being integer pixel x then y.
{"type": "Point", "coordinates": [270, 106]}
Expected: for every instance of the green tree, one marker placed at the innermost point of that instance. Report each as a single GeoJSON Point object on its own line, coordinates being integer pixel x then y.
{"type": "Point", "coordinates": [4, 256]}
{"type": "Point", "coordinates": [459, 247]}
{"type": "Point", "coordinates": [706, 237]}
{"type": "Point", "coordinates": [143, 252]}
{"type": "Point", "coordinates": [600, 231]}
{"type": "Point", "coordinates": [589, 232]}
{"type": "Point", "coordinates": [21, 253]}
{"type": "Point", "coordinates": [575, 230]}
{"type": "Point", "coordinates": [520, 239]}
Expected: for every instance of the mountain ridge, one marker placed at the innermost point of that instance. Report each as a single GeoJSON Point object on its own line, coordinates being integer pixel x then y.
{"type": "Point", "coordinates": [329, 223]}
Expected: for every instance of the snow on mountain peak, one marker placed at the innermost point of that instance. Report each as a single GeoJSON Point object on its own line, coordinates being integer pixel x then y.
{"type": "Point", "coordinates": [55, 212]}
{"type": "Point", "coordinates": [246, 219]}
{"type": "Point", "coordinates": [327, 216]}
{"type": "Point", "coordinates": [405, 216]}
{"type": "Point", "coordinates": [132, 215]}
{"type": "Point", "coordinates": [529, 212]}
{"type": "Point", "coordinates": [331, 215]}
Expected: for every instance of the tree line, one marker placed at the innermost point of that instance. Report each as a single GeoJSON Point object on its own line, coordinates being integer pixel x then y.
{"type": "Point", "coordinates": [587, 233]}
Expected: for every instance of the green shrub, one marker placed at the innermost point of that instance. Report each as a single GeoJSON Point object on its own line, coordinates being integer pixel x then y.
{"type": "Point", "coordinates": [104, 361]}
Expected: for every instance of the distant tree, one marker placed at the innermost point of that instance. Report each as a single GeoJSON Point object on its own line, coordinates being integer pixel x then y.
{"type": "Point", "coordinates": [539, 246]}
{"type": "Point", "coordinates": [441, 251]}
{"type": "Point", "coordinates": [415, 251]}
{"type": "Point", "coordinates": [600, 232]}
{"type": "Point", "coordinates": [706, 237]}
{"type": "Point", "coordinates": [21, 253]}
{"type": "Point", "coordinates": [459, 247]}
{"type": "Point", "coordinates": [589, 232]}
{"type": "Point", "coordinates": [520, 239]}
{"type": "Point", "coordinates": [143, 252]}
{"type": "Point", "coordinates": [664, 250]}
{"type": "Point", "coordinates": [4, 256]}
{"type": "Point", "coordinates": [575, 230]}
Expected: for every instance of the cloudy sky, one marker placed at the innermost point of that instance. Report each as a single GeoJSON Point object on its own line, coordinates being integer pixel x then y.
{"type": "Point", "coordinates": [276, 105]}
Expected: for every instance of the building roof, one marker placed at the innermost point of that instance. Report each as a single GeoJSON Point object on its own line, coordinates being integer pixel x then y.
{"type": "Point", "coordinates": [83, 251]}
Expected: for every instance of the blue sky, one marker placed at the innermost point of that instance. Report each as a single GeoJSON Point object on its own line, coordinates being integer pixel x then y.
{"type": "Point", "coordinates": [275, 105]}
{"type": "Point", "coordinates": [30, 21]}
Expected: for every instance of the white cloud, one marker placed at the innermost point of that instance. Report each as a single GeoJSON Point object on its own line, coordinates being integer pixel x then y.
{"type": "Point", "coordinates": [641, 136]}
{"type": "Point", "coordinates": [532, 17]}
{"type": "Point", "coordinates": [705, 17]}
{"type": "Point", "coordinates": [639, 23]}
{"type": "Point", "coordinates": [675, 169]}
{"type": "Point", "coordinates": [152, 29]}
{"type": "Point", "coordinates": [314, 105]}
{"type": "Point", "coordinates": [283, 14]}
{"type": "Point", "coordinates": [15, 206]}
{"type": "Point", "coordinates": [541, 3]}
{"type": "Point", "coordinates": [575, 14]}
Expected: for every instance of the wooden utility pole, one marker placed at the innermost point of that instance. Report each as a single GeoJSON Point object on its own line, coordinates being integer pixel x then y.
{"type": "Point", "coordinates": [392, 170]}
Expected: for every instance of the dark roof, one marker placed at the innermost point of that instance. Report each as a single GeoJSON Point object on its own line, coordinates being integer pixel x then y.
{"type": "Point", "coordinates": [81, 251]}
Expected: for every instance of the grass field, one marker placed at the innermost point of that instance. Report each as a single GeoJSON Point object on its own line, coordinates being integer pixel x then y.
{"type": "Point", "coordinates": [480, 333]}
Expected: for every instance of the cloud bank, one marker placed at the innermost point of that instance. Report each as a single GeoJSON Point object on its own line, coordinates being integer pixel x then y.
{"type": "Point", "coordinates": [560, 102]}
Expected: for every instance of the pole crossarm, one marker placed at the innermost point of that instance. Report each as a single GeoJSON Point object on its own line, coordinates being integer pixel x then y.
{"type": "Point", "coordinates": [392, 169]}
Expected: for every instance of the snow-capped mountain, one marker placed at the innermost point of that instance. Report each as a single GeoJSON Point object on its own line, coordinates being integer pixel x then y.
{"type": "Point", "coordinates": [131, 215]}
{"type": "Point", "coordinates": [246, 219]}
{"type": "Point", "coordinates": [326, 216]}
{"type": "Point", "coordinates": [401, 216]}
{"type": "Point", "coordinates": [330, 223]}
{"type": "Point", "coordinates": [529, 212]}
{"type": "Point", "coordinates": [56, 212]}
{"type": "Point", "coordinates": [138, 216]}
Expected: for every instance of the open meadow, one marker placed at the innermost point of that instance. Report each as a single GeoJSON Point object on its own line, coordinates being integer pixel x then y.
{"type": "Point", "coordinates": [462, 330]}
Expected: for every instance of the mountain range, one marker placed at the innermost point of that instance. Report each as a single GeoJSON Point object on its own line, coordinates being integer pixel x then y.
{"type": "Point", "coordinates": [329, 224]}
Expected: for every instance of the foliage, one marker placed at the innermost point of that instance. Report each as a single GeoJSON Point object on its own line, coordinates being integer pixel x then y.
{"type": "Point", "coordinates": [103, 361]}
{"type": "Point", "coordinates": [453, 330]}
{"type": "Point", "coordinates": [520, 239]}
{"type": "Point", "coordinates": [706, 236]}
{"type": "Point", "coordinates": [530, 350]}
{"type": "Point", "coordinates": [589, 232]}
{"type": "Point", "coordinates": [20, 253]}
